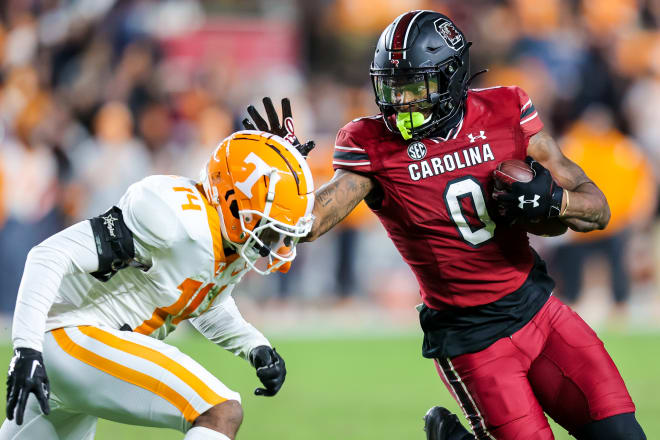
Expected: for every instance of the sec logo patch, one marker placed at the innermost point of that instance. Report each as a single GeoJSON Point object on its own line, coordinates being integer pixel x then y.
{"type": "Point", "coordinates": [417, 150]}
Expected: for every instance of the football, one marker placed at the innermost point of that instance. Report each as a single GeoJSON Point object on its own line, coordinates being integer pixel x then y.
{"type": "Point", "coordinates": [510, 171]}
{"type": "Point", "coordinates": [516, 170]}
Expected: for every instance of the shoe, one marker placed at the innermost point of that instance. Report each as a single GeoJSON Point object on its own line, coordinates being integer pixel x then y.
{"type": "Point", "coordinates": [441, 424]}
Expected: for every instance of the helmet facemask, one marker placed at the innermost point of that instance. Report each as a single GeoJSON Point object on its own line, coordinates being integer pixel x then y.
{"type": "Point", "coordinates": [420, 74]}
{"type": "Point", "coordinates": [262, 189]}
{"type": "Point", "coordinates": [271, 244]}
{"type": "Point", "coordinates": [417, 102]}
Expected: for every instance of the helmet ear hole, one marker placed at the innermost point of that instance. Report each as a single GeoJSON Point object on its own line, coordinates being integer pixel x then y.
{"type": "Point", "coordinates": [233, 208]}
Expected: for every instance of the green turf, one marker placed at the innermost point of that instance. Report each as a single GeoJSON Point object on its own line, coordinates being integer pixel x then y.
{"type": "Point", "coordinates": [369, 388]}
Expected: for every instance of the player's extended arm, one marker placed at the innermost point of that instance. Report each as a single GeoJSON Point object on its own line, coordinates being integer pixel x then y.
{"type": "Point", "coordinates": [336, 199]}
{"type": "Point", "coordinates": [584, 206]}
{"type": "Point", "coordinates": [224, 325]}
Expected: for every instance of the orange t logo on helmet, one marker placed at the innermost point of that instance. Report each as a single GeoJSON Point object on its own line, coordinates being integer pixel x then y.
{"type": "Point", "coordinates": [263, 190]}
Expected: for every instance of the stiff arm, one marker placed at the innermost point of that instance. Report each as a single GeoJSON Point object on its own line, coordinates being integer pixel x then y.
{"type": "Point", "coordinates": [336, 199]}
{"type": "Point", "coordinates": [584, 206]}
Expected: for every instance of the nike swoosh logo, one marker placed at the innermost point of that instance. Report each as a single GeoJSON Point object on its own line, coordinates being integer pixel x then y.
{"type": "Point", "coordinates": [35, 364]}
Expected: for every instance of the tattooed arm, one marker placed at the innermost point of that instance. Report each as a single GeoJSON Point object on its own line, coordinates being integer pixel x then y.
{"type": "Point", "coordinates": [584, 206]}
{"type": "Point", "coordinates": [336, 199]}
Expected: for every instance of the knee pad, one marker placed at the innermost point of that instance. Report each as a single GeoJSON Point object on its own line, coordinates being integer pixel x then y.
{"type": "Point", "coordinates": [618, 427]}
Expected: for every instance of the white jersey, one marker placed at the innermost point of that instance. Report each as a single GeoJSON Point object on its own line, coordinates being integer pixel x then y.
{"type": "Point", "coordinates": [183, 272]}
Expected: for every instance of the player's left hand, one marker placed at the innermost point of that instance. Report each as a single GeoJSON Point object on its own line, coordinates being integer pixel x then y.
{"type": "Point", "coordinates": [535, 200]}
{"type": "Point", "coordinates": [273, 126]}
{"type": "Point", "coordinates": [26, 375]}
{"type": "Point", "coordinates": [271, 369]}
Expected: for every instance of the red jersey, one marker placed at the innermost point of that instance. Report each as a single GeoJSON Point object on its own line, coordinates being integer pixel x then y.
{"type": "Point", "coordinates": [437, 195]}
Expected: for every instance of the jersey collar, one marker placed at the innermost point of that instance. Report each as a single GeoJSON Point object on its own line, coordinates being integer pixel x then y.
{"type": "Point", "coordinates": [452, 133]}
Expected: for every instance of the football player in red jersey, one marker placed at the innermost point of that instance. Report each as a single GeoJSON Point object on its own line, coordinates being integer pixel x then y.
{"type": "Point", "coordinates": [507, 349]}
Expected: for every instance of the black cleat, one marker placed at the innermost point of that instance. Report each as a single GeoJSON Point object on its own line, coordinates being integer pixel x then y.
{"type": "Point", "coordinates": [441, 424]}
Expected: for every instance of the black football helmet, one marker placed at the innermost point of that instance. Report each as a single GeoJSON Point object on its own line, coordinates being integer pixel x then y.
{"type": "Point", "coordinates": [420, 74]}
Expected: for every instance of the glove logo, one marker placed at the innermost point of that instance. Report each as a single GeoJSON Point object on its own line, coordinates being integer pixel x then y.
{"type": "Point", "coordinates": [534, 201]}
{"type": "Point", "coordinates": [27, 375]}
{"type": "Point", "coordinates": [35, 365]}
{"type": "Point", "coordinates": [290, 134]}
{"type": "Point", "coordinates": [273, 125]}
{"type": "Point", "coordinates": [417, 150]}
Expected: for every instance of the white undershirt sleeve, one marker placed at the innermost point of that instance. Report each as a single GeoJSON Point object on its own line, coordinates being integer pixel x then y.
{"type": "Point", "coordinates": [224, 325]}
{"type": "Point", "coordinates": [68, 252]}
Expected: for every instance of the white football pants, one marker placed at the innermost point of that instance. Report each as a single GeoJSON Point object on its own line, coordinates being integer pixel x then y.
{"type": "Point", "coordinates": [117, 375]}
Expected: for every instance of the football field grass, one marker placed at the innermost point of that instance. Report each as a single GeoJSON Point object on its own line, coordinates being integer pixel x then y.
{"type": "Point", "coordinates": [365, 388]}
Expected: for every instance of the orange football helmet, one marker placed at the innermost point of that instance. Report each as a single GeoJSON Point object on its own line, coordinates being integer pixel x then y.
{"type": "Point", "coordinates": [264, 193]}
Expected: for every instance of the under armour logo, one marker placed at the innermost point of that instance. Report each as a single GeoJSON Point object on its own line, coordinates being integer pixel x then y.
{"type": "Point", "coordinates": [481, 135]}
{"type": "Point", "coordinates": [534, 201]}
{"type": "Point", "coordinates": [109, 222]}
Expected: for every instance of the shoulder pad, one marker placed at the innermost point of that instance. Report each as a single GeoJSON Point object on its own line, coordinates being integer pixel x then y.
{"type": "Point", "coordinates": [148, 214]}
{"type": "Point", "coordinates": [366, 126]}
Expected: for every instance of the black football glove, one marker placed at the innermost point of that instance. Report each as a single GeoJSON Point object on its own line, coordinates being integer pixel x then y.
{"type": "Point", "coordinates": [26, 375]}
{"type": "Point", "coordinates": [535, 200]}
{"type": "Point", "coordinates": [285, 131]}
{"type": "Point", "coordinates": [271, 370]}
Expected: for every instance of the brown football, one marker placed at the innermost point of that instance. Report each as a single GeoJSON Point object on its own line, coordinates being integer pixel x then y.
{"type": "Point", "coordinates": [510, 171]}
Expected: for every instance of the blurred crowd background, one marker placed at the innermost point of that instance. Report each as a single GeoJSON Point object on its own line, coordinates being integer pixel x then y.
{"type": "Point", "coordinates": [96, 94]}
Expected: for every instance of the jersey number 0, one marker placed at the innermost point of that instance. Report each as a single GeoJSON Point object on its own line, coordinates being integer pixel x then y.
{"type": "Point", "coordinates": [480, 229]}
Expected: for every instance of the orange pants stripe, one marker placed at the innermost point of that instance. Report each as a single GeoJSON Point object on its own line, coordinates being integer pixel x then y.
{"type": "Point", "coordinates": [124, 373]}
{"type": "Point", "coordinates": [157, 358]}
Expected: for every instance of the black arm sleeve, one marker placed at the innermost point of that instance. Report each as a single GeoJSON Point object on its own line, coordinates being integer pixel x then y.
{"type": "Point", "coordinates": [114, 243]}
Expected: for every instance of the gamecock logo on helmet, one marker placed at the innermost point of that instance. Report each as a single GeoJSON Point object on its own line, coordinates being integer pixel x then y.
{"type": "Point", "coordinates": [449, 33]}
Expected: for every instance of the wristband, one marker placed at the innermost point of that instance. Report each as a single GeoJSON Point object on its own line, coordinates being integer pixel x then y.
{"type": "Point", "coordinates": [555, 201]}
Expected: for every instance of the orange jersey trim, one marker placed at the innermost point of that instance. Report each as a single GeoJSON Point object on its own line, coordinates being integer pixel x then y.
{"type": "Point", "coordinates": [125, 374]}
{"type": "Point", "coordinates": [214, 227]}
{"type": "Point", "coordinates": [193, 304]}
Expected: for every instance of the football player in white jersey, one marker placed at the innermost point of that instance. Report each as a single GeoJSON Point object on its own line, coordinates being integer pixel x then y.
{"type": "Point", "coordinates": [97, 298]}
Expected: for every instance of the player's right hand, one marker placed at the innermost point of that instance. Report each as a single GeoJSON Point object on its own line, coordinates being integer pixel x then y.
{"type": "Point", "coordinates": [538, 199]}
{"type": "Point", "coordinates": [285, 131]}
{"type": "Point", "coordinates": [26, 375]}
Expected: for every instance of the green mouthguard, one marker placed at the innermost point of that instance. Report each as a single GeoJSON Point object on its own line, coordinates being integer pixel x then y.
{"type": "Point", "coordinates": [405, 123]}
